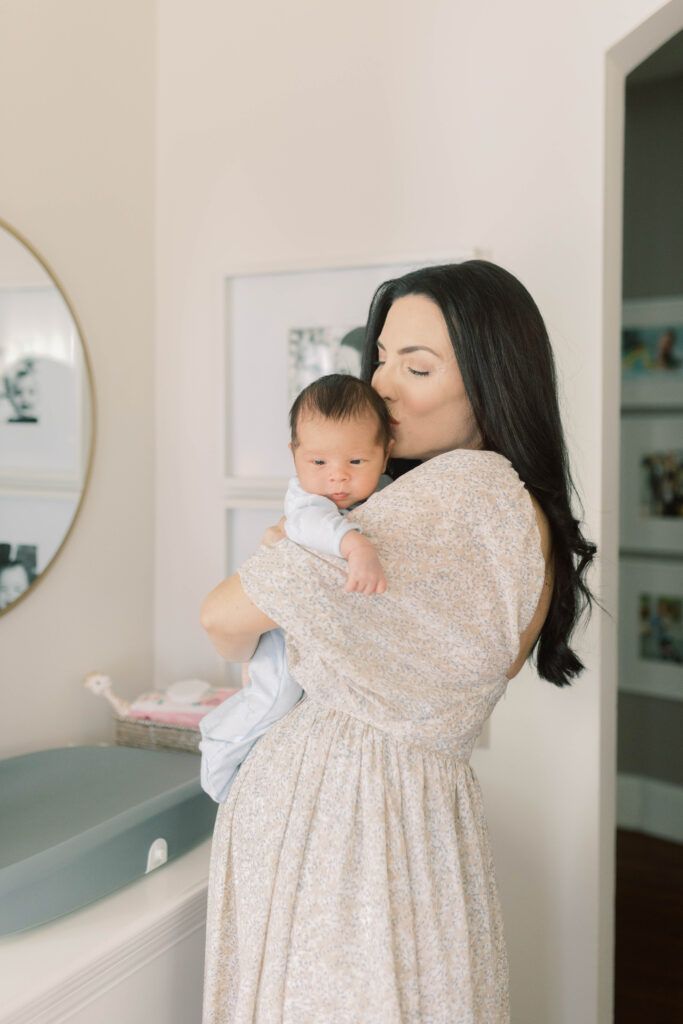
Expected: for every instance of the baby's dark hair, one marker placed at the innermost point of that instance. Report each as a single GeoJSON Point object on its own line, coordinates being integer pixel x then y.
{"type": "Point", "coordinates": [339, 396]}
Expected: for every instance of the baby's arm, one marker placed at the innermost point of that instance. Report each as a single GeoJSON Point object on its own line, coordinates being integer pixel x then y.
{"type": "Point", "coordinates": [315, 522]}
{"type": "Point", "coordinates": [366, 574]}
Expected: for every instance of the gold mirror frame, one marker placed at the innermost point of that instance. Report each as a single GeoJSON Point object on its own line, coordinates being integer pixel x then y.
{"type": "Point", "coordinates": [93, 410]}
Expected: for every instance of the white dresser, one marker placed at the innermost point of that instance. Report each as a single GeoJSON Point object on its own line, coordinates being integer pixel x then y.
{"type": "Point", "coordinates": [135, 956]}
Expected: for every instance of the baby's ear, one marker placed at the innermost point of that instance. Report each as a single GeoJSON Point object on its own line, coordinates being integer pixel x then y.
{"type": "Point", "coordinates": [387, 452]}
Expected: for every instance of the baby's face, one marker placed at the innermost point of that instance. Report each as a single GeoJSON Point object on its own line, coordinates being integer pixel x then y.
{"type": "Point", "coordinates": [13, 583]}
{"type": "Point", "coordinates": [341, 460]}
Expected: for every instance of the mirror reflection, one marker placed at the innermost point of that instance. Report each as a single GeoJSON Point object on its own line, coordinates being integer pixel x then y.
{"type": "Point", "coordinates": [46, 418]}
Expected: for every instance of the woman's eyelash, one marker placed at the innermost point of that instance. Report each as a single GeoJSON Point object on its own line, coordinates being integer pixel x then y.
{"type": "Point", "coordinates": [416, 373]}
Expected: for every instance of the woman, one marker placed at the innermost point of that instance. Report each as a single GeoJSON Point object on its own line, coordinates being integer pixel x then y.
{"type": "Point", "coordinates": [352, 878]}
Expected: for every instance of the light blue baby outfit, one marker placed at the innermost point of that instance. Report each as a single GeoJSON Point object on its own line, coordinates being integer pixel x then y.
{"type": "Point", "coordinates": [230, 730]}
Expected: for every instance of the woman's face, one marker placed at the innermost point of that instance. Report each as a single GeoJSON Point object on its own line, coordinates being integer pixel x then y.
{"type": "Point", "coordinates": [419, 379]}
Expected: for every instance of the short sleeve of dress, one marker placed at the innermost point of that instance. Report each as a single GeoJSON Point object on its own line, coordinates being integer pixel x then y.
{"type": "Point", "coordinates": [295, 586]}
{"type": "Point", "coordinates": [458, 541]}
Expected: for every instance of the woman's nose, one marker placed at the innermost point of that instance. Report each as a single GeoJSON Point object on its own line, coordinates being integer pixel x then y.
{"type": "Point", "coordinates": [381, 383]}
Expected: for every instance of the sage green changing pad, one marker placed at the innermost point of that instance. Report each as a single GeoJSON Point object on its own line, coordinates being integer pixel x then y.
{"type": "Point", "coordinates": [77, 823]}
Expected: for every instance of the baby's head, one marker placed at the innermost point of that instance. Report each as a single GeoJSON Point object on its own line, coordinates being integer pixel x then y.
{"type": "Point", "coordinates": [14, 580]}
{"type": "Point", "coordinates": [341, 438]}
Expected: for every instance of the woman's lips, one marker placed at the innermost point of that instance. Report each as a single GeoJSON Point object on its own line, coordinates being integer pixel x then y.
{"type": "Point", "coordinates": [393, 423]}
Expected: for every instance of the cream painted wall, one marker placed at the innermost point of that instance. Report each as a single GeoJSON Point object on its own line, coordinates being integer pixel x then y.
{"type": "Point", "coordinates": [307, 133]}
{"type": "Point", "coordinates": [77, 179]}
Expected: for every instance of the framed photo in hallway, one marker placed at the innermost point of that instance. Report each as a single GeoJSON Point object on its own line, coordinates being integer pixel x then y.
{"type": "Point", "coordinates": [652, 353]}
{"type": "Point", "coordinates": [651, 502]}
{"type": "Point", "coordinates": [651, 628]}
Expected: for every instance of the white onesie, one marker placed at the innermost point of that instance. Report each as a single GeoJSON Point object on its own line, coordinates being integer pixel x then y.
{"type": "Point", "coordinates": [313, 520]}
{"type": "Point", "coordinates": [230, 730]}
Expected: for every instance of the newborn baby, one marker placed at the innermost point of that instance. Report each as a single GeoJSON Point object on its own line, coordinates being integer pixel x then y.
{"type": "Point", "coordinates": [340, 441]}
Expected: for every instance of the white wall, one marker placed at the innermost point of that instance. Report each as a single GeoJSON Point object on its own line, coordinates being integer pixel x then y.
{"type": "Point", "coordinates": [312, 132]}
{"type": "Point", "coordinates": [76, 179]}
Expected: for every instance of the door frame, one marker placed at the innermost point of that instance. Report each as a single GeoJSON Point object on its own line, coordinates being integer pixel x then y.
{"type": "Point", "coordinates": [620, 60]}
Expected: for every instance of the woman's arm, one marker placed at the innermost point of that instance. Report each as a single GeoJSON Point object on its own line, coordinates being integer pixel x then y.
{"type": "Point", "coordinates": [233, 622]}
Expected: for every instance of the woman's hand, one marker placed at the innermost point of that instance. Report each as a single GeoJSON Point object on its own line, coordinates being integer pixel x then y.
{"type": "Point", "coordinates": [274, 534]}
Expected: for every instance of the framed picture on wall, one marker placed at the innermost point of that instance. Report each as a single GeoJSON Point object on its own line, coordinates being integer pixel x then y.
{"type": "Point", "coordinates": [651, 634]}
{"type": "Point", "coordinates": [18, 569]}
{"type": "Point", "coordinates": [283, 330]}
{"type": "Point", "coordinates": [313, 352]}
{"type": "Point", "coordinates": [34, 526]}
{"type": "Point", "coordinates": [651, 502]}
{"type": "Point", "coordinates": [42, 384]}
{"type": "Point", "coordinates": [652, 353]}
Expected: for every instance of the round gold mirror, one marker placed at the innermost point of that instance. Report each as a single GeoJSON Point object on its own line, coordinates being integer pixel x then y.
{"type": "Point", "coordinates": [47, 418]}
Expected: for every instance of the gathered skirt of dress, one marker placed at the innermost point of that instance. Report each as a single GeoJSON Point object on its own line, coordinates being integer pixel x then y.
{"type": "Point", "coordinates": [352, 882]}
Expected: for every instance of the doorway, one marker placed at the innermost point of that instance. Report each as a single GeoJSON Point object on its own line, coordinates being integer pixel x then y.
{"type": "Point", "coordinates": [648, 944]}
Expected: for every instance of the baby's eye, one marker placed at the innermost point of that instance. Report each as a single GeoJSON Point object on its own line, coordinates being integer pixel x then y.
{"type": "Point", "coordinates": [356, 462]}
{"type": "Point", "coordinates": [318, 462]}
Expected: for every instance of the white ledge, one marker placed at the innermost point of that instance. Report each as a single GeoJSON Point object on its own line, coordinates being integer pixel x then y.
{"type": "Point", "coordinates": [254, 491]}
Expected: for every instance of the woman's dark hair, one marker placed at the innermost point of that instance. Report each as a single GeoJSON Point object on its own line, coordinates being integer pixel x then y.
{"type": "Point", "coordinates": [338, 396]}
{"type": "Point", "coordinates": [507, 366]}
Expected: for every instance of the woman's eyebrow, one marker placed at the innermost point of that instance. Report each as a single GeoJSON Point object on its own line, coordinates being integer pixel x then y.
{"type": "Point", "coordinates": [411, 348]}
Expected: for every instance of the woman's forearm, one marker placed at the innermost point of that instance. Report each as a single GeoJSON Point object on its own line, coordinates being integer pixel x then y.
{"type": "Point", "coordinates": [233, 622]}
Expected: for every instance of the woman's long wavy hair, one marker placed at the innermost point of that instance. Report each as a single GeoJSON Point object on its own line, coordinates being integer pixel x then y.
{"type": "Point", "coordinates": [506, 361]}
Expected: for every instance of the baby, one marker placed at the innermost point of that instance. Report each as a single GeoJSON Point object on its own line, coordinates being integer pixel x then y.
{"type": "Point", "coordinates": [340, 441]}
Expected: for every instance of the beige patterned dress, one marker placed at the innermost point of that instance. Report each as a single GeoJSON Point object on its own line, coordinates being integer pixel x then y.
{"type": "Point", "coordinates": [352, 880]}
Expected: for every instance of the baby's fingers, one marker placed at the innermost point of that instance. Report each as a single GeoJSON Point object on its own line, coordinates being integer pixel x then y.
{"type": "Point", "coordinates": [364, 585]}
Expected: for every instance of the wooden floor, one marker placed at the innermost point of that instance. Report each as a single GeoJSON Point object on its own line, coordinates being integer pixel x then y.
{"type": "Point", "coordinates": [648, 984]}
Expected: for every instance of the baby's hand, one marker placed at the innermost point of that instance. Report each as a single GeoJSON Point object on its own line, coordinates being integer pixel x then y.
{"type": "Point", "coordinates": [366, 575]}
{"type": "Point", "coordinates": [274, 534]}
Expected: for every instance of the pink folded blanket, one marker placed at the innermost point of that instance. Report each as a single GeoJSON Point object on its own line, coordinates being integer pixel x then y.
{"type": "Point", "coordinates": [159, 707]}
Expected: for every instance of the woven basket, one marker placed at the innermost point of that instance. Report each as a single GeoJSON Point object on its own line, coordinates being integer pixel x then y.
{"type": "Point", "coordinates": [155, 736]}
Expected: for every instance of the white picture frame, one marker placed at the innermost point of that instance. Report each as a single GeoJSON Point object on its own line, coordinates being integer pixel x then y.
{"type": "Point", "coordinates": [35, 525]}
{"type": "Point", "coordinates": [644, 383]}
{"type": "Point", "coordinates": [262, 309]}
{"type": "Point", "coordinates": [41, 348]}
{"type": "Point", "coordinates": [650, 446]}
{"type": "Point", "coordinates": [643, 584]}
